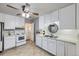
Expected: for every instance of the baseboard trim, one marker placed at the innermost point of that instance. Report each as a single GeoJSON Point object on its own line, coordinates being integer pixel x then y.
{"type": "Point", "coordinates": [1, 51]}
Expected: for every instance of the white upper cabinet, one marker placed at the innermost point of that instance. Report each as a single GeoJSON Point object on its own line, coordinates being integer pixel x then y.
{"type": "Point", "coordinates": [77, 15]}
{"type": "Point", "coordinates": [19, 22]}
{"type": "Point", "coordinates": [2, 17]}
{"type": "Point", "coordinates": [12, 21]}
{"type": "Point", "coordinates": [47, 19]}
{"type": "Point", "coordinates": [9, 22]}
{"type": "Point", "coordinates": [54, 16]}
{"type": "Point", "coordinates": [67, 17]}
{"type": "Point", "coordinates": [41, 22]}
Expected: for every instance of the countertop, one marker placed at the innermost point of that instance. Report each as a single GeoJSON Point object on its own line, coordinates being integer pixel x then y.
{"type": "Point", "coordinates": [71, 36]}
{"type": "Point", "coordinates": [70, 40]}
{"type": "Point", "coordinates": [73, 40]}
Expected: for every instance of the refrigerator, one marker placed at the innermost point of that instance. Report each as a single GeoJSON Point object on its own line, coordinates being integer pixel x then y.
{"type": "Point", "coordinates": [1, 37]}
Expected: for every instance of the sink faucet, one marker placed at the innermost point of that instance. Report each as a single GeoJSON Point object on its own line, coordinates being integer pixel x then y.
{"type": "Point", "coordinates": [54, 36]}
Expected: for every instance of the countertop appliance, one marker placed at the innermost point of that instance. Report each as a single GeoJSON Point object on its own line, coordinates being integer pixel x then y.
{"type": "Point", "coordinates": [20, 36]}
{"type": "Point", "coordinates": [1, 37]}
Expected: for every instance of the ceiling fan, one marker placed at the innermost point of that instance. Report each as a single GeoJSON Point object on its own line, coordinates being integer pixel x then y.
{"type": "Point", "coordinates": [25, 10]}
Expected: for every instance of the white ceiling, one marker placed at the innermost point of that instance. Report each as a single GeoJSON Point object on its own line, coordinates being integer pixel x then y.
{"type": "Point", "coordinates": [40, 8]}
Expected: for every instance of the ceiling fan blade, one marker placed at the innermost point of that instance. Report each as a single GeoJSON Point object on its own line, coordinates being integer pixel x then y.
{"type": "Point", "coordinates": [12, 7]}
{"type": "Point", "coordinates": [35, 13]}
{"type": "Point", "coordinates": [18, 14]}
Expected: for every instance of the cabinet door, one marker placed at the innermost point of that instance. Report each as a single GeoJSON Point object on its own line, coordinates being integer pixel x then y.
{"type": "Point", "coordinates": [21, 22]}
{"type": "Point", "coordinates": [2, 17]}
{"type": "Point", "coordinates": [54, 16]}
{"type": "Point", "coordinates": [77, 49]}
{"type": "Point", "coordinates": [9, 22]}
{"type": "Point", "coordinates": [52, 46]}
{"type": "Point", "coordinates": [12, 21]}
{"type": "Point", "coordinates": [47, 19]}
{"type": "Point", "coordinates": [70, 49]}
{"type": "Point", "coordinates": [67, 17]}
{"type": "Point", "coordinates": [9, 43]}
{"type": "Point", "coordinates": [44, 43]}
{"type": "Point", "coordinates": [0, 46]}
{"type": "Point", "coordinates": [77, 15]}
{"type": "Point", "coordinates": [38, 41]}
{"type": "Point", "coordinates": [60, 48]}
{"type": "Point", "coordinates": [41, 22]}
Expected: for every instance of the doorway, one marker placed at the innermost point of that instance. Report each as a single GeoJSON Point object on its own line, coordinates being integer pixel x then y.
{"type": "Point", "coordinates": [29, 30]}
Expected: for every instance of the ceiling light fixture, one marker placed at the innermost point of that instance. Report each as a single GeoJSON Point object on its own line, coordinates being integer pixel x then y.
{"type": "Point", "coordinates": [26, 15]}
{"type": "Point", "coordinates": [23, 15]}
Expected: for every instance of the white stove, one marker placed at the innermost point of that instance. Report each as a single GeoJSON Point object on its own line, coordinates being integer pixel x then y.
{"type": "Point", "coordinates": [20, 36]}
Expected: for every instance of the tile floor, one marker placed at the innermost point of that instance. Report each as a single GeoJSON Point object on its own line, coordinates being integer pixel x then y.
{"type": "Point", "coordinates": [29, 49]}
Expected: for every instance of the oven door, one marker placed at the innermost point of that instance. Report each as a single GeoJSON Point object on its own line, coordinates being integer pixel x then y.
{"type": "Point", "coordinates": [20, 38]}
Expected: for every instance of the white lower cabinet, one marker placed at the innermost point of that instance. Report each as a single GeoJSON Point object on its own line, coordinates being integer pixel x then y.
{"type": "Point", "coordinates": [38, 41]}
{"type": "Point", "coordinates": [56, 47]}
{"type": "Point", "coordinates": [70, 49]}
{"type": "Point", "coordinates": [52, 46]}
{"type": "Point", "coordinates": [60, 48]}
{"type": "Point", "coordinates": [44, 43]}
{"type": "Point", "coordinates": [0, 46]}
{"type": "Point", "coordinates": [9, 42]}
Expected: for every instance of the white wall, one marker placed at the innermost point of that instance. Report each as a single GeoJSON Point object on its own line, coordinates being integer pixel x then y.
{"type": "Point", "coordinates": [32, 32]}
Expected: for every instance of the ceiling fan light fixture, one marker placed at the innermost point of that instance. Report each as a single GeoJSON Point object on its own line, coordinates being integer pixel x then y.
{"type": "Point", "coordinates": [27, 9]}
{"type": "Point", "coordinates": [23, 14]}
{"type": "Point", "coordinates": [27, 15]}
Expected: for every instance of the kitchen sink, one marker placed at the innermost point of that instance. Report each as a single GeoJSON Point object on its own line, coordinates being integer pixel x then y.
{"type": "Point", "coordinates": [51, 36]}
